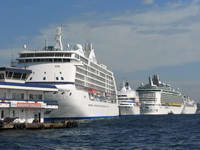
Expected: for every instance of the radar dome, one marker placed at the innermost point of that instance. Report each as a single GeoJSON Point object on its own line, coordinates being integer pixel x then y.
{"type": "Point", "coordinates": [78, 46]}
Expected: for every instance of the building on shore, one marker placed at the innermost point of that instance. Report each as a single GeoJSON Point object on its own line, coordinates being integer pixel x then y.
{"type": "Point", "coordinates": [23, 102]}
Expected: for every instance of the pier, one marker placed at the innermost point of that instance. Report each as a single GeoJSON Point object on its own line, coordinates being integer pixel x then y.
{"type": "Point", "coordinates": [46, 125]}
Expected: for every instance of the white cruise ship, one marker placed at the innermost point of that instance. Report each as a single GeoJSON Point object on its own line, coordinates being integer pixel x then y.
{"type": "Point", "coordinates": [128, 100]}
{"type": "Point", "coordinates": [87, 89]}
{"type": "Point", "coordinates": [190, 106]}
{"type": "Point", "coordinates": [160, 98]}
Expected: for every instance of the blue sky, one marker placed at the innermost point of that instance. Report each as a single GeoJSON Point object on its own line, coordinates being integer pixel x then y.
{"type": "Point", "coordinates": [135, 38]}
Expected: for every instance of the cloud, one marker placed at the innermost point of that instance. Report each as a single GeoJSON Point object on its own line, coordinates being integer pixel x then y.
{"type": "Point", "coordinates": [137, 41]}
{"type": "Point", "coordinates": [148, 2]}
{"type": "Point", "coordinates": [8, 55]}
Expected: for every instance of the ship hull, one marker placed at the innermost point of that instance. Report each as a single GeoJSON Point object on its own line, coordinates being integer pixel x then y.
{"type": "Point", "coordinates": [76, 104]}
{"type": "Point", "coordinates": [190, 109]}
{"type": "Point", "coordinates": [161, 110]}
{"type": "Point", "coordinates": [129, 110]}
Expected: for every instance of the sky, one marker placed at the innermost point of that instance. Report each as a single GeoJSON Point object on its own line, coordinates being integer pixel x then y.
{"type": "Point", "coordinates": [134, 38]}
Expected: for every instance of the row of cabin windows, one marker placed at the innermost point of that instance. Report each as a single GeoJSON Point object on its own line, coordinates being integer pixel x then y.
{"type": "Point", "coordinates": [81, 83]}
{"type": "Point", "coordinates": [13, 75]}
{"type": "Point", "coordinates": [100, 68]}
{"type": "Point", "coordinates": [20, 96]}
{"type": "Point", "coordinates": [35, 96]}
{"type": "Point", "coordinates": [43, 60]}
{"type": "Point", "coordinates": [95, 71]}
{"type": "Point", "coordinates": [80, 70]}
{"type": "Point", "coordinates": [31, 96]}
{"type": "Point", "coordinates": [45, 55]}
{"type": "Point", "coordinates": [44, 78]}
{"type": "Point", "coordinates": [13, 113]}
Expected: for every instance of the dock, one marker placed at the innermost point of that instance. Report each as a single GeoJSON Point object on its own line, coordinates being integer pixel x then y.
{"type": "Point", "coordinates": [46, 125]}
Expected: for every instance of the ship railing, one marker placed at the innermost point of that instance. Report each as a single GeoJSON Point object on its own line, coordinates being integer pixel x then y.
{"type": "Point", "coordinates": [49, 102]}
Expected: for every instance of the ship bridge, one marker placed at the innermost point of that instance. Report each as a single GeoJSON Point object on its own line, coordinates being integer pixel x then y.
{"type": "Point", "coordinates": [8, 74]}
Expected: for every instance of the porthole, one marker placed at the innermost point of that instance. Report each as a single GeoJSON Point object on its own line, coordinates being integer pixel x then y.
{"type": "Point", "coordinates": [60, 72]}
{"type": "Point", "coordinates": [57, 78]}
{"type": "Point", "coordinates": [62, 78]}
{"type": "Point", "coordinates": [44, 78]}
{"type": "Point", "coordinates": [30, 78]}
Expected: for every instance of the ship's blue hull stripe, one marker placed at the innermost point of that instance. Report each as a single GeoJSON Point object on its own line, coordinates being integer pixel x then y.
{"type": "Point", "coordinates": [52, 82]}
{"type": "Point", "coordinates": [130, 115]}
{"type": "Point", "coordinates": [78, 118]}
{"type": "Point", "coordinates": [27, 84]}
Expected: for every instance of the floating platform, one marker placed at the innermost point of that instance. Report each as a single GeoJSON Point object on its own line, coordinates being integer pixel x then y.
{"type": "Point", "coordinates": [55, 125]}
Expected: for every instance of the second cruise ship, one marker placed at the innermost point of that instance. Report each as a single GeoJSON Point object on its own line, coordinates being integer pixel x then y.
{"type": "Point", "coordinates": [158, 98]}
{"type": "Point", "coordinates": [87, 88]}
{"type": "Point", "coordinates": [128, 101]}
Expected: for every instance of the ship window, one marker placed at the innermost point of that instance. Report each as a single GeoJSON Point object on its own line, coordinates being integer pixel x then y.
{"type": "Point", "coordinates": [66, 60]}
{"type": "Point", "coordinates": [28, 60]}
{"type": "Point", "coordinates": [44, 72]}
{"type": "Point", "coordinates": [44, 78]}
{"type": "Point", "coordinates": [13, 113]}
{"type": "Point", "coordinates": [22, 55]}
{"type": "Point", "coordinates": [2, 114]}
{"type": "Point", "coordinates": [17, 75]}
{"type": "Point", "coordinates": [77, 56]}
{"type": "Point", "coordinates": [67, 55]}
{"type": "Point", "coordinates": [57, 78]}
{"type": "Point", "coordinates": [57, 60]}
{"type": "Point", "coordinates": [1, 76]}
{"type": "Point", "coordinates": [31, 96]}
{"type": "Point", "coordinates": [59, 54]}
{"type": "Point", "coordinates": [60, 72]}
{"type": "Point", "coordinates": [21, 61]}
{"type": "Point", "coordinates": [22, 95]}
{"type": "Point", "coordinates": [62, 78]}
{"type": "Point", "coordinates": [30, 78]}
{"type": "Point", "coordinates": [18, 96]}
{"type": "Point", "coordinates": [23, 76]}
{"type": "Point", "coordinates": [9, 74]}
{"type": "Point", "coordinates": [40, 97]}
{"type": "Point", "coordinates": [30, 55]}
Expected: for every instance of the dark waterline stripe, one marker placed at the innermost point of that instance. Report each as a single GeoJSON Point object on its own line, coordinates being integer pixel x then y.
{"type": "Point", "coordinates": [78, 118]}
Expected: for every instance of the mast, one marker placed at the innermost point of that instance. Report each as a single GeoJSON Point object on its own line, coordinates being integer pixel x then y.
{"type": "Point", "coordinates": [58, 39]}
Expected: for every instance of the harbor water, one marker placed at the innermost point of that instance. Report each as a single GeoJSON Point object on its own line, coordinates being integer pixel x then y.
{"type": "Point", "coordinates": [133, 132]}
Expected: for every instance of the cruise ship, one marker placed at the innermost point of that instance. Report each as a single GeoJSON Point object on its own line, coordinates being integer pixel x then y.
{"type": "Point", "coordinates": [190, 106]}
{"type": "Point", "coordinates": [159, 98]}
{"type": "Point", "coordinates": [128, 100]}
{"type": "Point", "coordinates": [87, 89]}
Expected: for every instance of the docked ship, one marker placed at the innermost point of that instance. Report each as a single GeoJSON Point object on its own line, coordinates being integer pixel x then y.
{"type": "Point", "coordinates": [158, 98]}
{"type": "Point", "coordinates": [128, 100]}
{"type": "Point", "coordinates": [190, 106]}
{"type": "Point", "coordinates": [87, 89]}
{"type": "Point", "coordinates": [23, 102]}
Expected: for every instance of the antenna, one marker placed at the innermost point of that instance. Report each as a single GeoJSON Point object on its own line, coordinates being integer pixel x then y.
{"type": "Point", "coordinates": [45, 45]}
{"type": "Point", "coordinates": [58, 38]}
{"type": "Point", "coordinates": [24, 46]}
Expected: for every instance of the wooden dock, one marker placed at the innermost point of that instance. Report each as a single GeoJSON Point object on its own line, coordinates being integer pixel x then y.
{"type": "Point", "coordinates": [55, 125]}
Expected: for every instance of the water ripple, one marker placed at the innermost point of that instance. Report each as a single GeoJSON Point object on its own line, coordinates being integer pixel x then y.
{"type": "Point", "coordinates": [136, 132]}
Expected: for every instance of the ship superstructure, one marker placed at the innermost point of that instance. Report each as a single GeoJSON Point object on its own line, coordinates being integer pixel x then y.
{"type": "Point", "coordinates": [87, 89]}
{"type": "Point", "coordinates": [190, 106]}
{"type": "Point", "coordinates": [128, 100]}
{"type": "Point", "coordinates": [157, 97]}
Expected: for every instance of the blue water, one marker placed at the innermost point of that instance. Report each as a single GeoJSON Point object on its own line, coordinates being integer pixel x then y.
{"type": "Point", "coordinates": [134, 132]}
